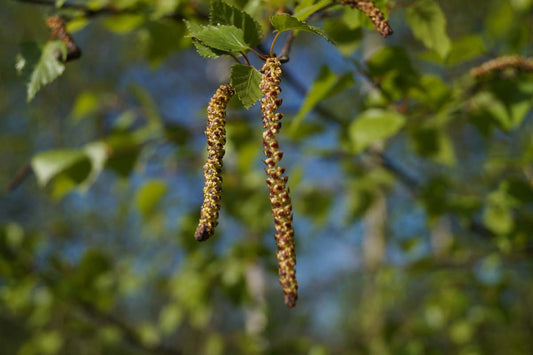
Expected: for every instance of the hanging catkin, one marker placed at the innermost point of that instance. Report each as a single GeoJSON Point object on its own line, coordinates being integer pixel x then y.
{"type": "Point", "coordinates": [215, 133]}
{"type": "Point", "coordinates": [375, 15]}
{"type": "Point", "coordinates": [277, 183]}
{"type": "Point", "coordinates": [502, 63]}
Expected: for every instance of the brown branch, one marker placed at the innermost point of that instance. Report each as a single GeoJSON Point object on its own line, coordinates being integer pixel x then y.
{"type": "Point", "coordinates": [19, 178]}
{"type": "Point", "coordinates": [284, 54]}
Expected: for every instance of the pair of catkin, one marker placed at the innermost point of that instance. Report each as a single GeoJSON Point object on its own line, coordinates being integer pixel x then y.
{"type": "Point", "coordinates": [280, 201]}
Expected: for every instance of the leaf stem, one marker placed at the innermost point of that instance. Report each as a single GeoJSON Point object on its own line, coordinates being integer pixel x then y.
{"type": "Point", "coordinates": [273, 43]}
{"type": "Point", "coordinates": [262, 56]}
{"type": "Point", "coordinates": [245, 58]}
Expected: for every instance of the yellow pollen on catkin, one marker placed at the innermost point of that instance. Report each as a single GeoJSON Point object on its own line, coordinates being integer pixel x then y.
{"type": "Point", "coordinates": [215, 133]}
{"type": "Point", "coordinates": [280, 201]}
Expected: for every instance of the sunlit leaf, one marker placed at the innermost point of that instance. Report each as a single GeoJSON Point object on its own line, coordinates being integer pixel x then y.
{"type": "Point", "coordinates": [245, 80]}
{"type": "Point", "coordinates": [224, 37]}
{"type": "Point", "coordinates": [46, 69]}
{"type": "Point", "coordinates": [286, 22]}
{"type": "Point", "coordinates": [306, 8]}
{"type": "Point", "coordinates": [224, 14]}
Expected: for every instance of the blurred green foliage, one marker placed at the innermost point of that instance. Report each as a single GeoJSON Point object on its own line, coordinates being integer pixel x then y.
{"type": "Point", "coordinates": [412, 182]}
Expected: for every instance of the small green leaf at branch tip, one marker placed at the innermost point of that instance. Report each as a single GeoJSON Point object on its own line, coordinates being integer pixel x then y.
{"type": "Point", "coordinates": [224, 14]}
{"type": "Point", "coordinates": [245, 80]}
{"type": "Point", "coordinates": [286, 22]}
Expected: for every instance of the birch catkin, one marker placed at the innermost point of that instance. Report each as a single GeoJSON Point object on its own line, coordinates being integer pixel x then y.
{"type": "Point", "coordinates": [59, 31]}
{"type": "Point", "coordinates": [277, 183]}
{"type": "Point", "coordinates": [215, 133]}
{"type": "Point", "coordinates": [502, 63]}
{"type": "Point", "coordinates": [375, 15]}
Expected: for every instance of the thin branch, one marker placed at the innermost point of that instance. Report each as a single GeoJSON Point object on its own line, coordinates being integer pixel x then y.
{"type": "Point", "coordinates": [19, 178]}
{"type": "Point", "coordinates": [284, 55]}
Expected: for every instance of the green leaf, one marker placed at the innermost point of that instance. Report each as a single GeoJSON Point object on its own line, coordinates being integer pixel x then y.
{"type": "Point", "coordinates": [428, 24]}
{"type": "Point", "coordinates": [509, 114]}
{"type": "Point", "coordinates": [306, 8]}
{"type": "Point", "coordinates": [374, 125]}
{"type": "Point", "coordinates": [201, 48]}
{"type": "Point", "coordinates": [124, 23]}
{"type": "Point", "coordinates": [161, 38]}
{"type": "Point", "coordinates": [164, 8]}
{"type": "Point", "coordinates": [326, 85]}
{"type": "Point", "coordinates": [68, 169]}
{"type": "Point", "coordinates": [97, 152]}
{"type": "Point", "coordinates": [47, 165]}
{"type": "Point", "coordinates": [224, 14]}
{"type": "Point", "coordinates": [286, 22]}
{"type": "Point", "coordinates": [466, 48]}
{"type": "Point", "coordinates": [44, 70]}
{"type": "Point", "coordinates": [435, 144]}
{"type": "Point", "coordinates": [245, 80]}
{"type": "Point", "coordinates": [205, 51]}
{"type": "Point", "coordinates": [225, 38]}
{"type": "Point", "coordinates": [346, 38]}
{"type": "Point", "coordinates": [149, 195]}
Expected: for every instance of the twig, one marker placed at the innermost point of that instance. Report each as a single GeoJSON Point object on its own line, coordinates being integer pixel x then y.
{"type": "Point", "coordinates": [19, 178]}
{"type": "Point", "coordinates": [284, 55]}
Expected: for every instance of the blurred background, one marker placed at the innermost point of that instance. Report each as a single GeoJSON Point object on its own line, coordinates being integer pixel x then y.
{"type": "Point", "coordinates": [412, 186]}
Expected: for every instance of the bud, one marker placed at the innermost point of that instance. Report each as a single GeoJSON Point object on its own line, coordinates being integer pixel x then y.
{"type": "Point", "coordinates": [280, 201]}
{"type": "Point", "coordinates": [216, 139]}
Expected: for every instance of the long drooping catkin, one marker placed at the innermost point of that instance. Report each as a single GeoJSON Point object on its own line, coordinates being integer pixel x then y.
{"type": "Point", "coordinates": [216, 139]}
{"type": "Point", "coordinates": [501, 63]}
{"type": "Point", "coordinates": [373, 13]}
{"type": "Point", "coordinates": [277, 184]}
